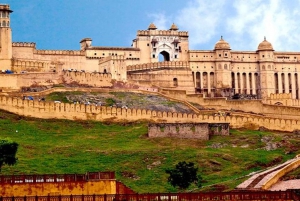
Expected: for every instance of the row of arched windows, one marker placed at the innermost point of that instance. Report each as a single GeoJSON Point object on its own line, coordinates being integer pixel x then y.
{"type": "Point", "coordinates": [4, 23]}
{"type": "Point", "coordinates": [4, 14]}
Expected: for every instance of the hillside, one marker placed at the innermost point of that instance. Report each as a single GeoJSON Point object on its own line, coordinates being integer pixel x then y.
{"type": "Point", "coordinates": [61, 146]}
{"type": "Point", "coordinates": [121, 99]}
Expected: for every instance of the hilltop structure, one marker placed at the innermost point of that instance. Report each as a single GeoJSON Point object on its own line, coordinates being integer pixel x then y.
{"type": "Point", "coordinates": [156, 57]}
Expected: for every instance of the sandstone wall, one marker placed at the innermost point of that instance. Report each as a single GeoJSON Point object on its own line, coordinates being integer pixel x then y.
{"type": "Point", "coordinates": [10, 82]}
{"type": "Point", "coordinates": [85, 78]}
{"type": "Point", "coordinates": [192, 131]}
{"type": "Point", "coordinates": [59, 188]}
{"type": "Point", "coordinates": [49, 110]}
{"type": "Point", "coordinates": [15, 82]}
{"type": "Point", "coordinates": [250, 106]}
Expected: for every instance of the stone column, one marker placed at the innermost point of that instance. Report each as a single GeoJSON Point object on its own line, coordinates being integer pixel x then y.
{"type": "Point", "coordinates": [253, 84]}
{"type": "Point", "coordinates": [293, 85]}
{"type": "Point", "coordinates": [279, 83]}
{"type": "Point", "coordinates": [201, 82]}
{"type": "Point", "coordinates": [208, 83]}
{"type": "Point", "coordinates": [242, 83]}
{"type": "Point", "coordinates": [247, 83]}
{"type": "Point", "coordinates": [286, 83]}
{"type": "Point", "coordinates": [195, 79]}
{"type": "Point", "coordinates": [298, 76]}
{"type": "Point", "coordinates": [236, 82]}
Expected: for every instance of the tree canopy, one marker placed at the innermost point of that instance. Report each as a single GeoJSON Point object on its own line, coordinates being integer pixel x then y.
{"type": "Point", "coordinates": [183, 175]}
{"type": "Point", "coordinates": [8, 150]}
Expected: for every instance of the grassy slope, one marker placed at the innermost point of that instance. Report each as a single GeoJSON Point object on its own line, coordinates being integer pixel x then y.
{"type": "Point", "coordinates": [61, 146]}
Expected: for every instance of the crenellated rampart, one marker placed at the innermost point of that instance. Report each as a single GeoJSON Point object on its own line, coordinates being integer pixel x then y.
{"type": "Point", "coordinates": [24, 44]}
{"type": "Point", "coordinates": [60, 52]}
{"type": "Point", "coordinates": [69, 111]}
{"type": "Point", "coordinates": [162, 33]}
{"type": "Point", "coordinates": [158, 65]}
{"type": "Point", "coordinates": [86, 78]}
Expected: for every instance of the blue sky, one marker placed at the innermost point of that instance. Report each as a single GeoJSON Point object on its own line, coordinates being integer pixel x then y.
{"type": "Point", "coordinates": [61, 24]}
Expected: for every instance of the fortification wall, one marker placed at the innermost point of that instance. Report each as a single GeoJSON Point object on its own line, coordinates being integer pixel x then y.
{"type": "Point", "coordinates": [90, 79]}
{"type": "Point", "coordinates": [48, 110]}
{"type": "Point", "coordinates": [10, 82]}
{"type": "Point", "coordinates": [71, 59]}
{"type": "Point", "coordinates": [23, 50]}
{"type": "Point", "coordinates": [250, 106]}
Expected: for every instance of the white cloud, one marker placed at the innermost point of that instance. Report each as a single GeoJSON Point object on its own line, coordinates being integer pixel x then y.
{"type": "Point", "coordinates": [160, 20]}
{"type": "Point", "coordinates": [201, 18]}
{"type": "Point", "coordinates": [275, 19]}
{"type": "Point", "coordinates": [242, 23]}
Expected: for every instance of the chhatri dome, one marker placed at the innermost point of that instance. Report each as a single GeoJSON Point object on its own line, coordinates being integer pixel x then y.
{"type": "Point", "coordinates": [265, 45]}
{"type": "Point", "coordinates": [152, 27]}
{"type": "Point", "coordinates": [222, 45]}
{"type": "Point", "coordinates": [173, 27]}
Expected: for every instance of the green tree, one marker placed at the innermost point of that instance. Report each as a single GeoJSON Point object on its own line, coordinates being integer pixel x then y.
{"type": "Point", "coordinates": [8, 150]}
{"type": "Point", "coordinates": [184, 175]}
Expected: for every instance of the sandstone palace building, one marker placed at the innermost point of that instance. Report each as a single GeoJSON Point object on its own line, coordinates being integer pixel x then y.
{"type": "Point", "coordinates": [159, 58]}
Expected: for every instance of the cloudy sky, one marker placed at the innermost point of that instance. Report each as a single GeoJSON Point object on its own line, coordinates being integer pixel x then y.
{"type": "Point", "coordinates": [61, 24]}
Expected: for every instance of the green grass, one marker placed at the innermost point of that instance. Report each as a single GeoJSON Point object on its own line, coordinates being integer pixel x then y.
{"type": "Point", "coordinates": [62, 146]}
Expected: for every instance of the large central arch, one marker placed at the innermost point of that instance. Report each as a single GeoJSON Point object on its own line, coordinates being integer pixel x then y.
{"type": "Point", "coordinates": [164, 56]}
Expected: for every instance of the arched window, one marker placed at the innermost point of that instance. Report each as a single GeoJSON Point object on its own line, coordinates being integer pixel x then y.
{"type": "Point", "coordinates": [269, 67]}
{"type": "Point", "coordinates": [219, 66]}
{"type": "Point", "coordinates": [104, 71]}
{"type": "Point", "coordinates": [263, 67]}
{"type": "Point", "coordinates": [4, 15]}
{"type": "Point", "coordinates": [8, 24]}
{"type": "Point", "coordinates": [225, 66]}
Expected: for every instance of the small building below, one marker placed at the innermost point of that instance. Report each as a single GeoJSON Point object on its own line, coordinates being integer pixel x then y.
{"type": "Point", "coordinates": [188, 130]}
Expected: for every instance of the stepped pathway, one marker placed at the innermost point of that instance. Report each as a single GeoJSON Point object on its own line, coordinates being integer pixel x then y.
{"type": "Point", "coordinates": [258, 180]}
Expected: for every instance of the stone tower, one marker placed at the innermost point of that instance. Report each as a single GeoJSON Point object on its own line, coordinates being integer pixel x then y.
{"type": "Point", "coordinates": [266, 65]}
{"type": "Point", "coordinates": [5, 38]}
{"type": "Point", "coordinates": [223, 71]}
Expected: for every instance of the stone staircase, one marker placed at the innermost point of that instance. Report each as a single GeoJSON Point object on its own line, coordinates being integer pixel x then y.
{"type": "Point", "coordinates": [257, 180]}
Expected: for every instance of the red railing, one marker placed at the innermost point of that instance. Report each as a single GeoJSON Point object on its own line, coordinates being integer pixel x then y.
{"type": "Point", "coordinates": [17, 179]}
{"type": "Point", "coordinates": [225, 196]}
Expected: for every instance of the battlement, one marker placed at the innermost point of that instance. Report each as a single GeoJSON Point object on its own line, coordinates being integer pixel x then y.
{"type": "Point", "coordinates": [162, 33]}
{"type": "Point", "coordinates": [158, 65]}
{"type": "Point", "coordinates": [24, 44]}
{"type": "Point", "coordinates": [60, 52]}
{"type": "Point", "coordinates": [72, 111]}
{"type": "Point", "coordinates": [113, 48]}
{"type": "Point", "coordinates": [87, 78]}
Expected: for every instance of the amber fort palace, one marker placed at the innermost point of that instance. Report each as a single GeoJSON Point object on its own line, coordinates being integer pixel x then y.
{"type": "Point", "coordinates": [159, 58]}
